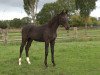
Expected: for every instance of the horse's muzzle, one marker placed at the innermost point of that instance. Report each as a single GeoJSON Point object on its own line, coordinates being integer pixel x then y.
{"type": "Point", "coordinates": [67, 27]}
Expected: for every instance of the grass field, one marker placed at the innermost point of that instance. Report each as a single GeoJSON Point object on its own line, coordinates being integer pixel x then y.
{"type": "Point", "coordinates": [72, 57]}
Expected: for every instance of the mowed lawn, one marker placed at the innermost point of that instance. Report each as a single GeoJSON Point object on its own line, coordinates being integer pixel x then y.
{"type": "Point", "coordinates": [74, 55]}
{"type": "Point", "coordinates": [72, 58]}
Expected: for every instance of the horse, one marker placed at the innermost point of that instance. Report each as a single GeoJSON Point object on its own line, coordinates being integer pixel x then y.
{"type": "Point", "coordinates": [46, 33]}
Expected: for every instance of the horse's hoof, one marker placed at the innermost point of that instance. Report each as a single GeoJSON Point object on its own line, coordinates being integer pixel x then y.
{"type": "Point", "coordinates": [29, 63]}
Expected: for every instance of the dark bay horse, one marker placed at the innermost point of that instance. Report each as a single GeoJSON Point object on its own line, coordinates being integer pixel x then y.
{"type": "Point", "coordinates": [46, 33]}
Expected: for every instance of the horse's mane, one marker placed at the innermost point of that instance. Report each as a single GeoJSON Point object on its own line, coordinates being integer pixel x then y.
{"type": "Point", "coordinates": [53, 20]}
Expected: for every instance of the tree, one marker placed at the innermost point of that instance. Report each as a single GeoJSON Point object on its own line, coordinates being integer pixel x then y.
{"type": "Point", "coordinates": [15, 23]}
{"type": "Point", "coordinates": [25, 20]}
{"type": "Point", "coordinates": [76, 20]}
{"type": "Point", "coordinates": [3, 24]}
{"type": "Point", "coordinates": [94, 21]}
{"type": "Point", "coordinates": [85, 7]}
{"type": "Point", "coordinates": [98, 22]}
{"type": "Point", "coordinates": [51, 9]}
{"type": "Point", "coordinates": [48, 10]}
{"type": "Point", "coordinates": [29, 7]}
{"type": "Point", "coordinates": [66, 5]}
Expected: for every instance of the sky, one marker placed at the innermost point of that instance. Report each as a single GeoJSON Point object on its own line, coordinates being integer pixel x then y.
{"type": "Point", "coordinates": [10, 9]}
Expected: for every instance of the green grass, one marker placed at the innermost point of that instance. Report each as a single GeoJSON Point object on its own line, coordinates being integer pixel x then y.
{"type": "Point", "coordinates": [72, 58]}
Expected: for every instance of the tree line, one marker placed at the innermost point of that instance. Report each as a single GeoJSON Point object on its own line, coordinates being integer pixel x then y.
{"type": "Point", "coordinates": [15, 23]}
{"type": "Point", "coordinates": [79, 11]}
{"type": "Point", "coordinates": [75, 20]}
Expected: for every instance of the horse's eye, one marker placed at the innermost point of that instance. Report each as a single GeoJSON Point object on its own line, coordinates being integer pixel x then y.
{"type": "Point", "coordinates": [64, 18]}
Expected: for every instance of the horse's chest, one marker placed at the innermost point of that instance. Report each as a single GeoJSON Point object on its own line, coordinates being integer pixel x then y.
{"type": "Point", "coordinates": [52, 36]}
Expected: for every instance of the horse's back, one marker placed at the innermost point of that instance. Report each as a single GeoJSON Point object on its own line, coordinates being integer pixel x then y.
{"type": "Point", "coordinates": [33, 32]}
{"type": "Point", "coordinates": [26, 30]}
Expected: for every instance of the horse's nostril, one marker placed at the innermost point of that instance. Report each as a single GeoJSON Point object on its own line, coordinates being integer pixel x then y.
{"type": "Point", "coordinates": [67, 28]}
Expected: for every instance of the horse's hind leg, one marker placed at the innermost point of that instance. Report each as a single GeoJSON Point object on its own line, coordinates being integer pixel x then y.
{"type": "Point", "coordinates": [27, 50]}
{"type": "Point", "coordinates": [21, 50]}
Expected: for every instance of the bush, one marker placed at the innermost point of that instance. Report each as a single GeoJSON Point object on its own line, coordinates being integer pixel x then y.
{"type": "Point", "coordinates": [76, 20]}
{"type": "Point", "coordinates": [3, 24]}
{"type": "Point", "coordinates": [18, 23]}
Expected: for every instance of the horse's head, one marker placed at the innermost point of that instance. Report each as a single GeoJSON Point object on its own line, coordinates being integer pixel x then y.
{"type": "Point", "coordinates": [63, 19]}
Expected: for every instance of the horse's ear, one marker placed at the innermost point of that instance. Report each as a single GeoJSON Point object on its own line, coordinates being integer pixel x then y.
{"type": "Point", "coordinates": [62, 12]}
{"type": "Point", "coordinates": [66, 11]}
{"type": "Point", "coordinates": [57, 14]}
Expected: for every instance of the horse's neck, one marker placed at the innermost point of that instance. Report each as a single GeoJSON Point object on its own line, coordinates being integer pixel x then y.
{"type": "Point", "coordinates": [53, 24]}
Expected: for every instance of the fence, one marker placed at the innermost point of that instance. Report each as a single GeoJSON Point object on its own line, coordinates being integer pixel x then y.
{"type": "Point", "coordinates": [3, 36]}
{"type": "Point", "coordinates": [74, 34]}
{"type": "Point", "coordinates": [7, 35]}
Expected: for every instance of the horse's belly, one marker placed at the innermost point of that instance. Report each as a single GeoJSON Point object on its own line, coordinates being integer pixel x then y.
{"type": "Point", "coordinates": [39, 39]}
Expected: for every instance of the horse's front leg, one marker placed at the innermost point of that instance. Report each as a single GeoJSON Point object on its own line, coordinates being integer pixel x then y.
{"type": "Point", "coordinates": [27, 50]}
{"type": "Point", "coordinates": [46, 53]}
{"type": "Point", "coordinates": [52, 43]}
